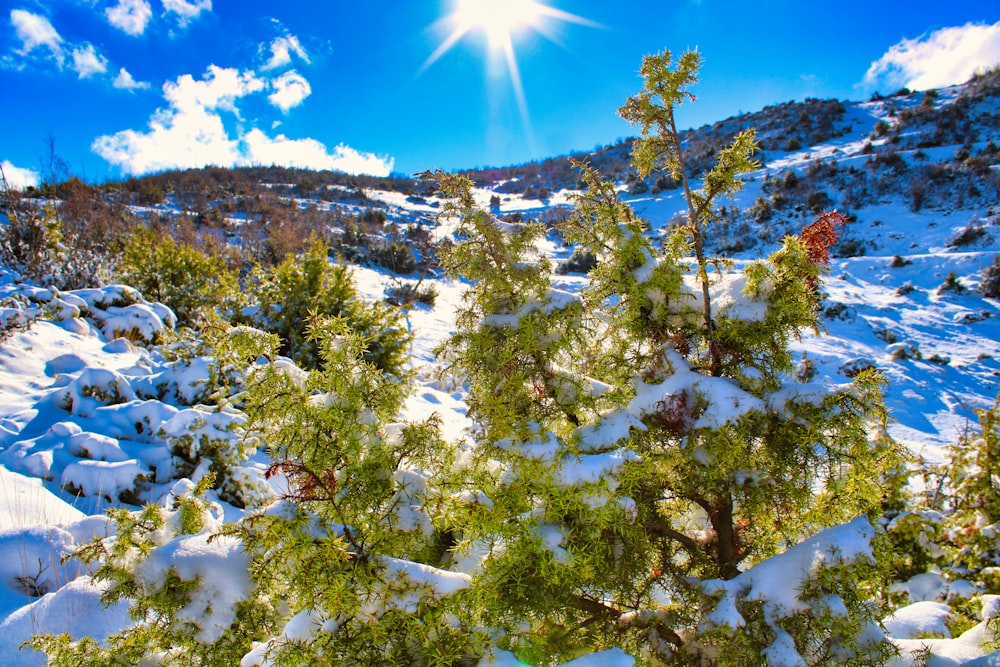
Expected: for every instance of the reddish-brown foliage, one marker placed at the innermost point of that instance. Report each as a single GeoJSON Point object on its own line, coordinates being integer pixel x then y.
{"type": "Point", "coordinates": [305, 484]}
{"type": "Point", "coordinates": [819, 235]}
{"type": "Point", "coordinates": [675, 413]}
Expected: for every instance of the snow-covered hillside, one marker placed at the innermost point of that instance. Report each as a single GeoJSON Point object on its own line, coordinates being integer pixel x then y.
{"type": "Point", "coordinates": [93, 412]}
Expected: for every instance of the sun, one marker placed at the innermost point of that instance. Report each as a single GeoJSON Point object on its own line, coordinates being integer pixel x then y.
{"type": "Point", "coordinates": [500, 21]}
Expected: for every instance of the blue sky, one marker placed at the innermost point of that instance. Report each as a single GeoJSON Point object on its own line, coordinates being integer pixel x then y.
{"type": "Point", "coordinates": [124, 87]}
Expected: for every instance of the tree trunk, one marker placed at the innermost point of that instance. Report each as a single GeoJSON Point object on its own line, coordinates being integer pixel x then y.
{"type": "Point", "coordinates": [727, 552]}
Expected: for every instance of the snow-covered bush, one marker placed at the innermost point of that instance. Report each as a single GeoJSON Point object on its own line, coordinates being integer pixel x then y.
{"type": "Point", "coordinates": [358, 549]}
{"type": "Point", "coordinates": [799, 599]}
{"type": "Point", "coordinates": [647, 448]}
{"type": "Point", "coordinates": [973, 527]}
{"type": "Point", "coordinates": [943, 553]}
{"type": "Point", "coordinates": [208, 374]}
{"type": "Point", "coordinates": [70, 239]}
{"type": "Point", "coordinates": [172, 414]}
{"type": "Point", "coordinates": [193, 284]}
{"type": "Point", "coordinates": [300, 288]}
{"type": "Point", "coordinates": [345, 570]}
{"type": "Point", "coordinates": [31, 241]}
{"type": "Point", "coordinates": [14, 319]}
{"type": "Point", "coordinates": [188, 587]}
{"type": "Point", "coordinates": [213, 439]}
{"type": "Point", "coordinates": [989, 285]}
{"type": "Point", "coordinates": [118, 311]}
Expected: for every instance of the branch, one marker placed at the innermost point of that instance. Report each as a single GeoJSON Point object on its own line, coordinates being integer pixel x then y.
{"type": "Point", "coordinates": [599, 609]}
{"type": "Point", "coordinates": [596, 608]}
{"type": "Point", "coordinates": [695, 215]}
{"type": "Point", "coordinates": [660, 529]}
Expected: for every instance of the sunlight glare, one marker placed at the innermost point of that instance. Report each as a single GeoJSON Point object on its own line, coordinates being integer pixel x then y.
{"type": "Point", "coordinates": [498, 19]}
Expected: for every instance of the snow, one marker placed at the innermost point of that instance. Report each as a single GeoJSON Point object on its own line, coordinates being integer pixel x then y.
{"type": "Point", "coordinates": [218, 564]}
{"type": "Point", "coordinates": [25, 502]}
{"type": "Point", "coordinates": [933, 586]}
{"type": "Point", "coordinates": [31, 559]}
{"type": "Point", "coordinates": [923, 618]}
{"type": "Point", "coordinates": [782, 651]}
{"type": "Point", "coordinates": [591, 468]}
{"type": "Point", "coordinates": [102, 478]}
{"type": "Point", "coordinates": [555, 300]}
{"type": "Point", "coordinates": [725, 401]}
{"type": "Point", "coordinates": [75, 608]}
{"type": "Point", "coordinates": [730, 299]}
{"type": "Point", "coordinates": [958, 652]}
{"type": "Point", "coordinates": [611, 427]}
{"type": "Point", "coordinates": [777, 581]}
{"type": "Point", "coordinates": [436, 582]}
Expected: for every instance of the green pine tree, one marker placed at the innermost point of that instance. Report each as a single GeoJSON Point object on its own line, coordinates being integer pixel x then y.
{"type": "Point", "coordinates": [355, 550]}
{"type": "Point", "coordinates": [310, 285]}
{"type": "Point", "coordinates": [711, 456]}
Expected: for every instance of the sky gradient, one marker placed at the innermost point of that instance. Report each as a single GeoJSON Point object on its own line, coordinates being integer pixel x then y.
{"type": "Point", "coordinates": [120, 87]}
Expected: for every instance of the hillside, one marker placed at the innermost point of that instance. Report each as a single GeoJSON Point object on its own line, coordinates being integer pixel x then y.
{"type": "Point", "coordinates": [934, 148]}
{"type": "Point", "coordinates": [101, 406]}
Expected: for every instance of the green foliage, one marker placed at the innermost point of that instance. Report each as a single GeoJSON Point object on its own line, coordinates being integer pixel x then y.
{"type": "Point", "coordinates": [660, 146]}
{"type": "Point", "coordinates": [301, 288]}
{"type": "Point", "coordinates": [32, 241]}
{"type": "Point", "coordinates": [512, 326]}
{"type": "Point", "coordinates": [550, 538]}
{"type": "Point", "coordinates": [196, 286]}
{"type": "Point", "coordinates": [665, 88]}
{"type": "Point", "coordinates": [347, 564]}
{"type": "Point", "coordinates": [974, 476]}
{"type": "Point", "coordinates": [181, 617]}
{"type": "Point", "coordinates": [713, 456]}
{"type": "Point", "coordinates": [366, 492]}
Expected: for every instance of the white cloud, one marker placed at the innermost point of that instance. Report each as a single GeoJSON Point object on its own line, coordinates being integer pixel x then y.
{"type": "Point", "coordinates": [282, 49]}
{"type": "Point", "coordinates": [942, 58]}
{"type": "Point", "coordinates": [88, 62]}
{"type": "Point", "coordinates": [130, 16]}
{"type": "Point", "coordinates": [175, 140]}
{"type": "Point", "coordinates": [290, 89]}
{"type": "Point", "coordinates": [17, 177]}
{"type": "Point", "coordinates": [188, 134]}
{"type": "Point", "coordinates": [35, 31]}
{"type": "Point", "coordinates": [218, 90]}
{"type": "Point", "coordinates": [187, 10]}
{"type": "Point", "coordinates": [191, 133]}
{"type": "Point", "coordinates": [311, 154]}
{"type": "Point", "coordinates": [125, 81]}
